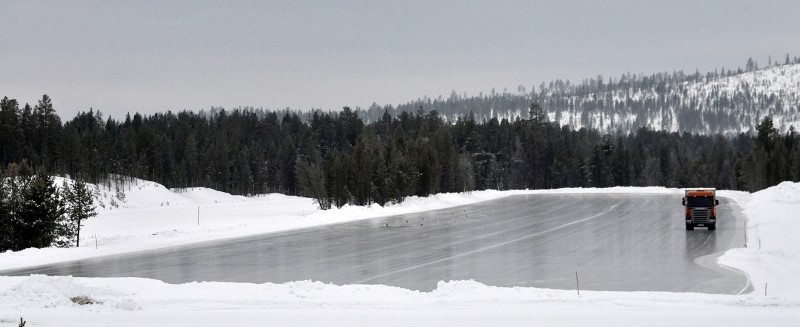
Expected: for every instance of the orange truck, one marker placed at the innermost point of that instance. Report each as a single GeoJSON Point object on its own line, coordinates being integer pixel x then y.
{"type": "Point", "coordinates": [700, 206]}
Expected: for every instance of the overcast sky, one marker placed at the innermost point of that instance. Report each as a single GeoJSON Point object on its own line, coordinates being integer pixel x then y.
{"type": "Point", "coordinates": [120, 57]}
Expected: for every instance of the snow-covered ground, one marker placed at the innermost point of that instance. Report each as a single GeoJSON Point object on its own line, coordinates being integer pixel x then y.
{"type": "Point", "coordinates": [152, 216]}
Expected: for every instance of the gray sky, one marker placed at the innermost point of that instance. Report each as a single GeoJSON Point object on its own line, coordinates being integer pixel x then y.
{"type": "Point", "coordinates": [120, 57]}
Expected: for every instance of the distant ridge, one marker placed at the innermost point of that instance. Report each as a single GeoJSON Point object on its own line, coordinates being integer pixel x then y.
{"type": "Point", "coordinates": [727, 102]}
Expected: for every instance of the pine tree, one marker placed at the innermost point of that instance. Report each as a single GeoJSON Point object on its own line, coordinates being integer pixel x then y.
{"type": "Point", "coordinates": [6, 214]}
{"type": "Point", "coordinates": [537, 114]}
{"type": "Point", "coordinates": [767, 133]}
{"type": "Point", "coordinates": [365, 156]}
{"type": "Point", "coordinates": [80, 206]}
{"type": "Point", "coordinates": [466, 176]}
{"type": "Point", "coordinates": [311, 180]}
{"type": "Point", "coordinates": [340, 179]}
{"type": "Point", "coordinates": [9, 131]}
{"type": "Point", "coordinates": [40, 215]}
{"type": "Point", "coordinates": [47, 135]}
{"type": "Point", "coordinates": [751, 65]}
{"type": "Point", "coordinates": [381, 178]}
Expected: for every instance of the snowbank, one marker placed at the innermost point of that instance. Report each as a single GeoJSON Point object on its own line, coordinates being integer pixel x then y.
{"type": "Point", "coordinates": [772, 256]}
{"type": "Point", "coordinates": [47, 301]}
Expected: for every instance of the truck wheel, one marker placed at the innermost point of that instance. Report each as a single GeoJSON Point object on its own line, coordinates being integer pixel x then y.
{"type": "Point", "coordinates": [712, 227]}
{"type": "Point", "coordinates": [689, 227]}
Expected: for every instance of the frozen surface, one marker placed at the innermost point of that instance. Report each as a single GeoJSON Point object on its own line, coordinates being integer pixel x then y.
{"type": "Point", "coordinates": [538, 240]}
{"type": "Point", "coordinates": [152, 217]}
{"type": "Point", "coordinates": [771, 259]}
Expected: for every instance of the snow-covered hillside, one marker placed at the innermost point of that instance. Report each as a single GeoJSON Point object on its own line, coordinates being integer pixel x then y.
{"type": "Point", "coordinates": [724, 102]}
{"type": "Point", "coordinates": [704, 104]}
{"type": "Point", "coordinates": [771, 260]}
{"type": "Point", "coordinates": [745, 99]}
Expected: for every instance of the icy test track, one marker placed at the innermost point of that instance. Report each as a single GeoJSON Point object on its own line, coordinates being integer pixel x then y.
{"type": "Point", "coordinates": [772, 224]}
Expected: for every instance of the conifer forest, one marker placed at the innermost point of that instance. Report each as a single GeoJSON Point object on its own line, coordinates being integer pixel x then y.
{"type": "Point", "coordinates": [337, 159]}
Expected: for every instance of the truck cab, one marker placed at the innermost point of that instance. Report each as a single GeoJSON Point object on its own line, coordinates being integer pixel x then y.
{"type": "Point", "coordinates": [699, 209]}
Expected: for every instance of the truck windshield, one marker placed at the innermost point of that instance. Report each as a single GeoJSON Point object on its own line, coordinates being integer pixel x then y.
{"type": "Point", "coordinates": [699, 202]}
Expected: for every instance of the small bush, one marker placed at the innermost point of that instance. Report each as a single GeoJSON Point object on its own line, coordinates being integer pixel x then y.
{"type": "Point", "coordinates": [83, 300]}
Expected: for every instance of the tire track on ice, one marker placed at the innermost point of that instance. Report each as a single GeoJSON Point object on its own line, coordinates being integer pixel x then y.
{"type": "Point", "coordinates": [496, 245]}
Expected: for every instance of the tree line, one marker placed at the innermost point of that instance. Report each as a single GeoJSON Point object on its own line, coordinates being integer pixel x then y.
{"type": "Point", "coordinates": [337, 159]}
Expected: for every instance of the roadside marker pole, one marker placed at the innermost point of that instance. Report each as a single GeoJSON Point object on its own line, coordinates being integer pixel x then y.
{"type": "Point", "coordinates": [198, 215]}
{"type": "Point", "coordinates": [95, 241]}
{"type": "Point", "coordinates": [745, 236]}
{"type": "Point", "coordinates": [765, 289]}
{"type": "Point", "coordinates": [577, 283]}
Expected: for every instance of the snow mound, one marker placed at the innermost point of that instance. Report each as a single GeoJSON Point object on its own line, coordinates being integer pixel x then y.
{"type": "Point", "coordinates": [45, 292]}
{"type": "Point", "coordinates": [146, 194]}
{"type": "Point", "coordinates": [122, 192]}
{"type": "Point", "coordinates": [203, 195]}
{"type": "Point", "coordinates": [772, 254]}
{"type": "Point", "coordinates": [786, 192]}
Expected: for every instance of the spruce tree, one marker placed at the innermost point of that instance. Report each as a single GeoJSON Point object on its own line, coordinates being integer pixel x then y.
{"type": "Point", "coordinates": [10, 138]}
{"type": "Point", "coordinates": [6, 214]}
{"type": "Point", "coordinates": [41, 214]}
{"type": "Point", "coordinates": [79, 207]}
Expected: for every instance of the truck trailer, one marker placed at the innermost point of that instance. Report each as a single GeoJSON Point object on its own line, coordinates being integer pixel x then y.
{"type": "Point", "coordinates": [700, 206]}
